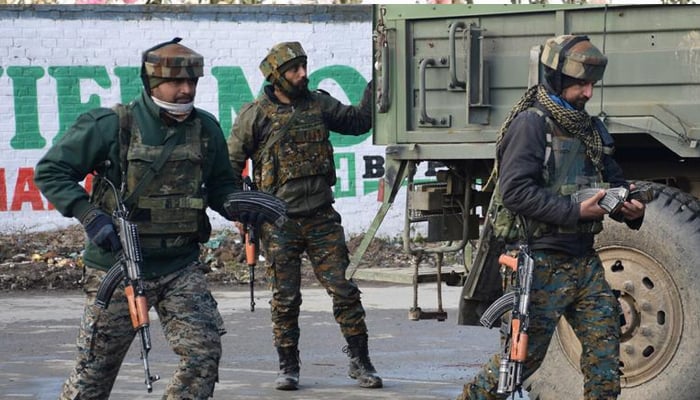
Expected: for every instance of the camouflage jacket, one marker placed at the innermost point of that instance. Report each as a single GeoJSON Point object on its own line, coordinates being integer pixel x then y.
{"type": "Point", "coordinates": [303, 190]}
{"type": "Point", "coordinates": [93, 139]}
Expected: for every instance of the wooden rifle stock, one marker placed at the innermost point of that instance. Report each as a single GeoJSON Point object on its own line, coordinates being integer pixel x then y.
{"type": "Point", "coordinates": [517, 301]}
{"type": "Point", "coordinates": [251, 255]}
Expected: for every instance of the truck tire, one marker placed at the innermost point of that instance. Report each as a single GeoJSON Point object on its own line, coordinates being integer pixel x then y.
{"type": "Point", "coordinates": [656, 272]}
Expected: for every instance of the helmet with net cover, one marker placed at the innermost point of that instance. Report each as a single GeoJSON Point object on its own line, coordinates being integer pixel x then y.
{"type": "Point", "coordinates": [281, 57]}
{"type": "Point", "coordinates": [573, 56]}
{"type": "Point", "coordinates": [170, 60]}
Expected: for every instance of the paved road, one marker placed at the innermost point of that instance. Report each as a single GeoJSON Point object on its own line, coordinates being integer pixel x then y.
{"type": "Point", "coordinates": [417, 359]}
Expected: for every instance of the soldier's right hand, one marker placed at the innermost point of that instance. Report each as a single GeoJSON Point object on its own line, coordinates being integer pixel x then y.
{"type": "Point", "coordinates": [100, 230]}
{"type": "Point", "coordinates": [589, 208]}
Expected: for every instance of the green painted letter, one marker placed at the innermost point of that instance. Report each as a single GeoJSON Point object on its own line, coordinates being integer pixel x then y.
{"type": "Point", "coordinates": [68, 90]}
{"type": "Point", "coordinates": [129, 83]}
{"type": "Point", "coordinates": [354, 86]}
{"type": "Point", "coordinates": [27, 135]}
{"type": "Point", "coordinates": [234, 92]}
{"type": "Point", "coordinates": [345, 171]}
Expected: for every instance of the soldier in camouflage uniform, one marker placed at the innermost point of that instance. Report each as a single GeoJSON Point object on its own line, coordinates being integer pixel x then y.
{"type": "Point", "coordinates": [169, 209]}
{"type": "Point", "coordinates": [548, 148]}
{"type": "Point", "coordinates": [285, 132]}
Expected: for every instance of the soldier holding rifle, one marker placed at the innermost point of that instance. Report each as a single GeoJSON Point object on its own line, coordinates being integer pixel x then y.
{"type": "Point", "coordinates": [168, 161]}
{"type": "Point", "coordinates": [286, 132]}
{"type": "Point", "coordinates": [548, 149]}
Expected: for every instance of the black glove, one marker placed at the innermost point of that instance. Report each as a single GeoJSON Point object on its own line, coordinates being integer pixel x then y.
{"type": "Point", "coordinates": [100, 230]}
{"type": "Point", "coordinates": [254, 207]}
{"type": "Point", "coordinates": [250, 218]}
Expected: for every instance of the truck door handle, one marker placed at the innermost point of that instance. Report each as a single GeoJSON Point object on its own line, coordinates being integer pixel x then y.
{"type": "Point", "coordinates": [425, 119]}
{"type": "Point", "coordinates": [383, 95]}
{"type": "Point", "coordinates": [454, 82]}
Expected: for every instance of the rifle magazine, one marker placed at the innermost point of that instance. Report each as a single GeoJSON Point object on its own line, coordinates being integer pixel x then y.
{"type": "Point", "coordinates": [109, 283]}
{"type": "Point", "coordinates": [499, 307]}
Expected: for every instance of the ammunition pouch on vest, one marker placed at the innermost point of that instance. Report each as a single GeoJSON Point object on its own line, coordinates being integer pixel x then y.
{"type": "Point", "coordinates": [505, 223]}
{"type": "Point", "coordinates": [297, 145]}
{"type": "Point", "coordinates": [170, 210]}
{"type": "Point", "coordinates": [572, 172]}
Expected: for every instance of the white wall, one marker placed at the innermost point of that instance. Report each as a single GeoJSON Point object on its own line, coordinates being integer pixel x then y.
{"type": "Point", "coordinates": [109, 37]}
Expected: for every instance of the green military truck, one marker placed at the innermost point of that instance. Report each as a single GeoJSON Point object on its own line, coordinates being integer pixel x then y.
{"type": "Point", "coordinates": [446, 77]}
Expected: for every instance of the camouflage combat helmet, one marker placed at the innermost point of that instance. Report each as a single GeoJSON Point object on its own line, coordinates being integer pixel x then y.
{"type": "Point", "coordinates": [281, 56]}
{"type": "Point", "coordinates": [170, 60]}
{"type": "Point", "coordinates": [573, 56]}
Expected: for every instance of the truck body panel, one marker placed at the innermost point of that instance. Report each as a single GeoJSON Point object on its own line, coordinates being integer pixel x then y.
{"type": "Point", "coordinates": [491, 48]}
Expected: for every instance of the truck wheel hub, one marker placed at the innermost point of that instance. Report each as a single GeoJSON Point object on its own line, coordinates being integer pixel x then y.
{"type": "Point", "coordinates": [651, 306]}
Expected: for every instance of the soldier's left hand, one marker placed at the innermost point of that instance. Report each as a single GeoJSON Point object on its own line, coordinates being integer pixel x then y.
{"type": "Point", "coordinates": [633, 209]}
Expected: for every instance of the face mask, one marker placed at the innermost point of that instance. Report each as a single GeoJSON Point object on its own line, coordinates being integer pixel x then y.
{"type": "Point", "coordinates": [179, 111]}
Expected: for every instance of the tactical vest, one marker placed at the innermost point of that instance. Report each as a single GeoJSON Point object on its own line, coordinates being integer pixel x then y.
{"type": "Point", "coordinates": [170, 209]}
{"type": "Point", "coordinates": [297, 145]}
{"type": "Point", "coordinates": [579, 173]}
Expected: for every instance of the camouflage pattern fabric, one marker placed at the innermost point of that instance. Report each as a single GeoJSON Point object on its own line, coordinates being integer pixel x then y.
{"type": "Point", "coordinates": [174, 61]}
{"type": "Point", "coordinates": [171, 209]}
{"type": "Point", "coordinates": [582, 61]}
{"type": "Point", "coordinates": [281, 58]}
{"type": "Point", "coordinates": [297, 146]}
{"type": "Point", "coordinates": [172, 203]}
{"type": "Point", "coordinates": [273, 65]}
{"type": "Point", "coordinates": [576, 289]}
{"type": "Point", "coordinates": [191, 323]}
{"type": "Point", "coordinates": [323, 239]}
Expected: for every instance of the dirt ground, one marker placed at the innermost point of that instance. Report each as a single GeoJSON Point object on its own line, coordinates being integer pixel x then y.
{"type": "Point", "coordinates": [52, 260]}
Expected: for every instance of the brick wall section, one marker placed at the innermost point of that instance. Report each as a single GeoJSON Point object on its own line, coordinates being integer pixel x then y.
{"type": "Point", "coordinates": [58, 61]}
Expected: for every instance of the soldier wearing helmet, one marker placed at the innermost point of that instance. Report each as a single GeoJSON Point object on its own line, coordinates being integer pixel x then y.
{"type": "Point", "coordinates": [162, 152]}
{"type": "Point", "coordinates": [178, 66]}
{"type": "Point", "coordinates": [286, 132]}
{"type": "Point", "coordinates": [548, 148]}
{"type": "Point", "coordinates": [282, 58]}
{"type": "Point", "coordinates": [569, 59]}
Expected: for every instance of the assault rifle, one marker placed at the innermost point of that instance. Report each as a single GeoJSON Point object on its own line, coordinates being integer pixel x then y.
{"type": "Point", "coordinates": [251, 246]}
{"type": "Point", "coordinates": [273, 209]}
{"type": "Point", "coordinates": [615, 197]}
{"type": "Point", "coordinates": [128, 270]}
{"type": "Point", "coordinates": [517, 301]}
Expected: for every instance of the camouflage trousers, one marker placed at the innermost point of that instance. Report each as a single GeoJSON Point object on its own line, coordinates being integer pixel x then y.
{"type": "Point", "coordinates": [322, 237]}
{"type": "Point", "coordinates": [574, 288]}
{"type": "Point", "coordinates": [191, 323]}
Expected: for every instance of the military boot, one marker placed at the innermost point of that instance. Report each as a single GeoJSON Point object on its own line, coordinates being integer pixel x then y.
{"type": "Point", "coordinates": [288, 376]}
{"type": "Point", "coordinates": [361, 367]}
